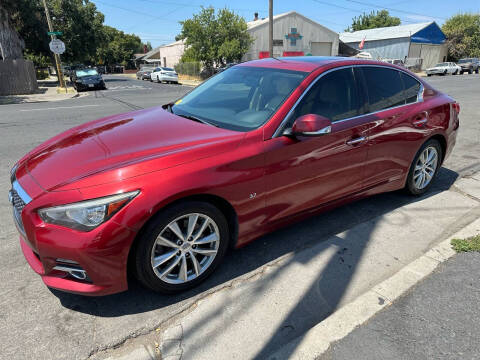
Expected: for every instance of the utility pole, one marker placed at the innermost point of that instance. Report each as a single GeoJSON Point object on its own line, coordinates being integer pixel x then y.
{"type": "Point", "coordinates": [270, 26]}
{"type": "Point", "coordinates": [57, 57]}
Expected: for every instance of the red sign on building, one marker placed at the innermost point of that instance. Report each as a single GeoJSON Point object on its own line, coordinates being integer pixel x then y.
{"type": "Point", "coordinates": [293, 53]}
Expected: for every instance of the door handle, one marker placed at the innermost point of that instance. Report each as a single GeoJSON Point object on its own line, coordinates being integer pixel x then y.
{"type": "Point", "coordinates": [356, 141]}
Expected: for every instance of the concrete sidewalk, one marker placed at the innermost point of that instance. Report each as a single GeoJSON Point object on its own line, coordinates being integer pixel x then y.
{"type": "Point", "coordinates": [43, 94]}
{"type": "Point", "coordinates": [255, 315]}
{"type": "Point", "coordinates": [437, 319]}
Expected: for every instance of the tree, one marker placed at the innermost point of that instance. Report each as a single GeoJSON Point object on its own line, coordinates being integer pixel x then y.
{"type": "Point", "coordinates": [463, 36]}
{"type": "Point", "coordinates": [11, 45]}
{"type": "Point", "coordinates": [373, 20]}
{"type": "Point", "coordinates": [87, 39]}
{"type": "Point", "coordinates": [116, 47]}
{"type": "Point", "coordinates": [215, 38]}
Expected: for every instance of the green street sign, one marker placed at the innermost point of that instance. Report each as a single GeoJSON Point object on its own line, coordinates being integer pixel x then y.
{"type": "Point", "coordinates": [54, 33]}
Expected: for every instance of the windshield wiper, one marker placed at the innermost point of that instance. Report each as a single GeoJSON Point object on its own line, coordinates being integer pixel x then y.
{"type": "Point", "coordinates": [194, 118]}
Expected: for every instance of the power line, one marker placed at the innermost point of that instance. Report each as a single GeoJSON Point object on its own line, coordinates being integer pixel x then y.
{"type": "Point", "coordinates": [391, 9]}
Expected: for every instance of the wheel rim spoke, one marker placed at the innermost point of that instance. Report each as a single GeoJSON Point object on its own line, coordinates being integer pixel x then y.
{"type": "Point", "coordinates": [159, 260]}
{"type": "Point", "coordinates": [176, 230]}
{"type": "Point", "coordinates": [192, 221]}
{"type": "Point", "coordinates": [170, 268]}
{"type": "Point", "coordinates": [196, 265]}
{"type": "Point", "coordinates": [206, 252]}
{"type": "Point", "coordinates": [165, 242]}
{"type": "Point", "coordinates": [182, 274]}
{"type": "Point", "coordinates": [201, 230]}
{"type": "Point", "coordinates": [207, 239]}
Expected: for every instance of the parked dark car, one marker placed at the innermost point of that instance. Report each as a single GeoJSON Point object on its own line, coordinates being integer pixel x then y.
{"type": "Point", "coordinates": [469, 65]}
{"type": "Point", "coordinates": [163, 193]}
{"type": "Point", "coordinates": [144, 73]}
{"type": "Point", "coordinates": [86, 79]}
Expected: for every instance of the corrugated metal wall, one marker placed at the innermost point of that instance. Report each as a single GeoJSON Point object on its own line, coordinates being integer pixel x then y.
{"type": "Point", "coordinates": [17, 77]}
{"type": "Point", "coordinates": [431, 54]}
{"type": "Point", "coordinates": [386, 49]}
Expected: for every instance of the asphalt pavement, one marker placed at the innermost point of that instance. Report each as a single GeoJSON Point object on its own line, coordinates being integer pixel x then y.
{"type": "Point", "coordinates": [45, 324]}
{"type": "Point", "coordinates": [437, 319]}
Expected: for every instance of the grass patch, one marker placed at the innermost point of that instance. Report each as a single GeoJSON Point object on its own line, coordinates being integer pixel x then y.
{"type": "Point", "coordinates": [468, 244]}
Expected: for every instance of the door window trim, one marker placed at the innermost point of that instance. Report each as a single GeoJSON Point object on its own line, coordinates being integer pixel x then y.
{"type": "Point", "coordinates": [280, 129]}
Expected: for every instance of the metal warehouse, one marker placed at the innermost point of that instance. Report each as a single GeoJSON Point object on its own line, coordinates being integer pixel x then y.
{"type": "Point", "coordinates": [293, 35]}
{"type": "Point", "coordinates": [423, 43]}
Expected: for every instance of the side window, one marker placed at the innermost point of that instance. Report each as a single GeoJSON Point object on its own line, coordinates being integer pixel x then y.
{"type": "Point", "coordinates": [333, 96]}
{"type": "Point", "coordinates": [385, 88]}
{"type": "Point", "coordinates": [412, 88]}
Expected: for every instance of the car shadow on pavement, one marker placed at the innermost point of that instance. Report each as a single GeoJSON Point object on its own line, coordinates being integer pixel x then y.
{"type": "Point", "coordinates": [307, 234]}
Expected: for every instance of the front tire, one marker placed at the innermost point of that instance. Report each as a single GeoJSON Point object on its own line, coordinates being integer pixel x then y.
{"type": "Point", "coordinates": [424, 167]}
{"type": "Point", "coordinates": [181, 247]}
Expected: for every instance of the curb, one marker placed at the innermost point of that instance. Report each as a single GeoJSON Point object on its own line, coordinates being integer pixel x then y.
{"type": "Point", "coordinates": [315, 342]}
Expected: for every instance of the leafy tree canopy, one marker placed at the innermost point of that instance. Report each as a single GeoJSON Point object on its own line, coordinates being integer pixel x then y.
{"type": "Point", "coordinates": [376, 19]}
{"type": "Point", "coordinates": [463, 35]}
{"type": "Point", "coordinates": [87, 39]}
{"type": "Point", "coordinates": [215, 38]}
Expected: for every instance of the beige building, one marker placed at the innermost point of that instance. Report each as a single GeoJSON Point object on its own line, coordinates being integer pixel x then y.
{"type": "Point", "coordinates": [166, 55]}
{"type": "Point", "coordinates": [293, 35]}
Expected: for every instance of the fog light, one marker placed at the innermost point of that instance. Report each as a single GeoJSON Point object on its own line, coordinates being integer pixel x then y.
{"type": "Point", "coordinates": [72, 268]}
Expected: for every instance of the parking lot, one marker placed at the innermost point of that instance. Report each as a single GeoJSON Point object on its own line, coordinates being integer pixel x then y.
{"type": "Point", "coordinates": [42, 324]}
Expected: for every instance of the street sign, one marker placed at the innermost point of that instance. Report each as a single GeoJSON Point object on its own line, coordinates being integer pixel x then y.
{"type": "Point", "coordinates": [58, 33]}
{"type": "Point", "coordinates": [57, 46]}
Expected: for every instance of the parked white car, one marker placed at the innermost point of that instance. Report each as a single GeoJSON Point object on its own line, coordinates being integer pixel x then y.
{"type": "Point", "coordinates": [444, 69]}
{"type": "Point", "coordinates": [166, 74]}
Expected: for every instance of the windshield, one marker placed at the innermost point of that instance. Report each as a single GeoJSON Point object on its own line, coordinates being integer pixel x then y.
{"type": "Point", "coordinates": [241, 98]}
{"type": "Point", "coordinates": [463, 61]}
{"type": "Point", "coordinates": [441, 64]}
{"type": "Point", "coordinates": [86, 72]}
{"type": "Point", "coordinates": [168, 69]}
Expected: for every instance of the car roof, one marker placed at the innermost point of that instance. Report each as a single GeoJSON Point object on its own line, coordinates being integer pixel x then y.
{"type": "Point", "coordinates": [311, 63]}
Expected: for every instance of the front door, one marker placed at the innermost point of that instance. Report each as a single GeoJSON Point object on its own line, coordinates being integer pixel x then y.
{"type": "Point", "coordinates": [305, 172]}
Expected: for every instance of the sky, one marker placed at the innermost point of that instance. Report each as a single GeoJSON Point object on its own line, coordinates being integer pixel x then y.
{"type": "Point", "coordinates": [157, 20]}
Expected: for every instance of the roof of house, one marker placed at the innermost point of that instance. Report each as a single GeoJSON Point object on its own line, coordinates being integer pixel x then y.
{"type": "Point", "coordinates": [391, 32]}
{"type": "Point", "coordinates": [256, 23]}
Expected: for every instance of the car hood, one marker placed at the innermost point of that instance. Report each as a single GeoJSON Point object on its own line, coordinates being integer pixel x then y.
{"type": "Point", "coordinates": [152, 135]}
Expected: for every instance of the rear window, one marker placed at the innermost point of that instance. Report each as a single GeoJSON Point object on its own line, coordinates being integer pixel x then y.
{"type": "Point", "coordinates": [412, 88]}
{"type": "Point", "coordinates": [385, 88]}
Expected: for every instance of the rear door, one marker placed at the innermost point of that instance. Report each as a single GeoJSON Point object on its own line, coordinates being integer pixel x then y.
{"type": "Point", "coordinates": [305, 172]}
{"type": "Point", "coordinates": [396, 123]}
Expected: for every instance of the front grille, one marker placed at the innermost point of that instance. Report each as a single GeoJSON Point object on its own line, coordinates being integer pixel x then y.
{"type": "Point", "coordinates": [18, 205]}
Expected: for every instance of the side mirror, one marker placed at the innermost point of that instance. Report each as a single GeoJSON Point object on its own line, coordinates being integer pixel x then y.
{"type": "Point", "coordinates": [311, 125]}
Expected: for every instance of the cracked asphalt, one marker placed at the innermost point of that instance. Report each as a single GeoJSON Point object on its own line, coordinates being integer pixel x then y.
{"type": "Point", "coordinates": [45, 324]}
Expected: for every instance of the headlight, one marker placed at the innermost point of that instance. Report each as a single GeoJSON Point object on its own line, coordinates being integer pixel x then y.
{"type": "Point", "coordinates": [86, 215]}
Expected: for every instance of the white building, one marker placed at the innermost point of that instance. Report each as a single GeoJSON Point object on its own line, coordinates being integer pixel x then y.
{"type": "Point", "coordinates": [165, 55]}
{"type": "Point", "coordinates": [293, 35]}
{"type": "Point", "coordinates": [424, 41]}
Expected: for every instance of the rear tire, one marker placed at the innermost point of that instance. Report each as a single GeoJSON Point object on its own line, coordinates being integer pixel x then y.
{"type": "Point", "coordinates": [175, 268]}
{"type": "Point", "coordinates": [424, 169]}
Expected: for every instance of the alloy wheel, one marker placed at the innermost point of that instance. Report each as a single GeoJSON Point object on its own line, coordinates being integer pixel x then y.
{"type": "Point", "coordinates": [425, 167]}
{"type": "Point", "coordinates": [185, 248]}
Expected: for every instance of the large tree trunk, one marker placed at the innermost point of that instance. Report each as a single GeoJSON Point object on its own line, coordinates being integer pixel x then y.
{"type": "Point", "coordinates": [11, 44]}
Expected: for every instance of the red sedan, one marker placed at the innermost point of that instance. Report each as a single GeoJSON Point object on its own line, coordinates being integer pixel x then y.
{"type": "Point", "coordinates": [164, 192]}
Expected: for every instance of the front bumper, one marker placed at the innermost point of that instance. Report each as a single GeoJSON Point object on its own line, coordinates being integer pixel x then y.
{"type": "Point", "coordinates": [101, 254]}
{"type": "Point", "coordinates": [91, 86]}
